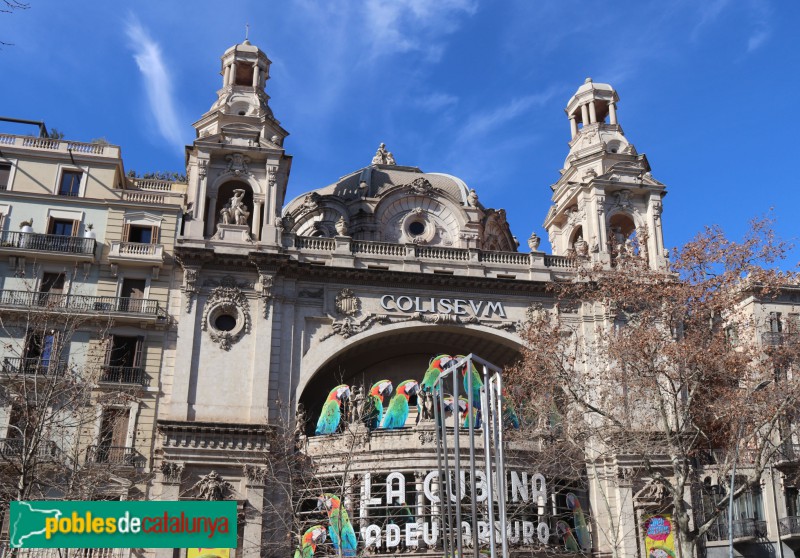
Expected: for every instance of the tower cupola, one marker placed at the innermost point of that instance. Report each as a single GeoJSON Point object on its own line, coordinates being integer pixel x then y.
{"type": "Point", "coordinates": [592, 103]}
{"type": "Point", "coordinates": [606, 204]}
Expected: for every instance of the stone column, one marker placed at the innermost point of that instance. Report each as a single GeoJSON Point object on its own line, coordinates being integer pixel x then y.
{"type": "Point", "coordinates": [592, 113]}
{"type": "Point", "coordinates": [171, 473]}
{"type": "Point", "coordinates": [256, 75]}
{"type": "Point", "coordinates": [212, 214]}
{"type": "Point", "coordinates": [612, 113]}
{"type": "Point", "coordinates": [585, 115]}
{"type": "Point", "coordinates": [226, 75]}
{"type": "Point", "coordinates": [254, 511]}
{"type": "Point", "coordinates": [573, 126]}
{"type": "Point", "coordinates": [256, 219]}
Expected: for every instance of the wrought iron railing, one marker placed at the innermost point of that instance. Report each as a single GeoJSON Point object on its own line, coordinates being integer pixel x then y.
{"type": "Point", "coordinates": [48, 242]}
{"type": "Point", "coordinates": [113, 455]}
{"type": "Point", "coordinates": [775, 338]}
{"type": "Point", "coordinates": [7, 552]}
{"type": "Point", "coordinates": [123, 375]}
{"type": "Point", "coordinates": [14, 448]}
{"type": "Point", "coordinates": [81, 303]}
{"type": "Point", "coordinates": [33, 366]}
{"type": "Point", "coordinates": [788, 526]}
{"type": "Point", "coordinates": [742, 529]}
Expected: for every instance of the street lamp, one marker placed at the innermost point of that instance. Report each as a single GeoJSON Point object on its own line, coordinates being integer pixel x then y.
{"type": "Point", "coordinates": [759, 387]}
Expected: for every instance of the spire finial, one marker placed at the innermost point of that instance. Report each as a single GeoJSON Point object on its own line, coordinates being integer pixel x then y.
{"type": "Point", "coordinates": [246, 31]}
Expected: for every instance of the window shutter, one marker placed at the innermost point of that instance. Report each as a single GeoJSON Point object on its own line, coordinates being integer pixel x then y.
{"type": "Point", "coordinates": [49, 229]}
{"type": "Point", "coordinates": [126, 231]}
{"type": "Point", "coordinates": [108, 346]}
{"type": "Point", "coordinates": [75, 227]}
{"type": "Point", "coordinates": [138, 361]}
{"type": "Point", "coordinates": [154, 236]}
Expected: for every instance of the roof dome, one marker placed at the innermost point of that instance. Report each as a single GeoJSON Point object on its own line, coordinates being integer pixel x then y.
{"type": "Point", "coordinates": [401, 204]}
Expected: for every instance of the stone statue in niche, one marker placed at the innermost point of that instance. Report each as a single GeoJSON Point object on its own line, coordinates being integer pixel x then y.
{"type": "Point", "coordinates": [581, 247]}
{"type": "Point", "coordinates": [235, 211]}
{"type": "Point", "coordinates": [472, 198]}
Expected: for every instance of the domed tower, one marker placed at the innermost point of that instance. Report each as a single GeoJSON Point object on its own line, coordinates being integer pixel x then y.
{"type": "Point", "coordinates": [237, 167]}
{"type": "Point", "coordinates": [606, 205]}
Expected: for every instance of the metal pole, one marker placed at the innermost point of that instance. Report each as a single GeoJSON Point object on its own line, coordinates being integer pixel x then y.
{"type": "Point", "coordinates": [730, 497]}
{"type": "Point", "coordinates": [487, 450]}
{"type": "Point", "coordinates": [471, 417]}
{"type": "Point", "coordinates": [439, 419]}
{"type": "Point", "coordinates": [502, 469]}
{"type": "Point", "coordinates": [457, 465]}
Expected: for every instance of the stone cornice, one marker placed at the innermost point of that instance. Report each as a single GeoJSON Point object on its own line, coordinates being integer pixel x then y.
{"type": "Point", "coordinates": [213, 436]}
{"type": "Point", "coordinates": [283, 265]}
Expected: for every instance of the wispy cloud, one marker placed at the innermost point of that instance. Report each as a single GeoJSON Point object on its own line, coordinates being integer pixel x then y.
{"type": "Point", "coordinates": [434, 102]}
{"type": "Point", "coordinates": [413, 25]}
{"type": "Point", "coordinates": [158, 85]}
{"type": "Point", "coordinates": [760, 14]}
{"type": "Point", "coordinates": [483, 123]}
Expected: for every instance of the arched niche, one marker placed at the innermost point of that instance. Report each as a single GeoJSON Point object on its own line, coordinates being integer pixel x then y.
{"type": "Point", "coordinates": [396, 353]}
{"type": "Point", "coordinates": [225, 192]}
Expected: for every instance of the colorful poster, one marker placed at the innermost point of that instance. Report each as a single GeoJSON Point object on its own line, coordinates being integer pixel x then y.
{"type": "Point", "coordinates": [208, 553]}
{"type": "Point", "coordinates": [659, 536]}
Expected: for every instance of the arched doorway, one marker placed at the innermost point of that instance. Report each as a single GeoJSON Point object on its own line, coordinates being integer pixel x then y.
{"type": "Point", "coordinates": [399, 355]}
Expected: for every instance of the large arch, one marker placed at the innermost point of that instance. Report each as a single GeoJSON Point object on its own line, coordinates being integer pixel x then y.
{"type": "Point", "coordinates": [395, 352]}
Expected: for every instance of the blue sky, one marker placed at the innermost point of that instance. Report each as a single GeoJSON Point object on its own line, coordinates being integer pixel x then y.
{"type": "Point", "coordinates": [474, 88]}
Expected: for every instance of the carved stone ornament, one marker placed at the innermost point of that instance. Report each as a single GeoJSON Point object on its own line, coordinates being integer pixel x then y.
{"type": "Point", "coordinates": [172, 471]}
{"type": "Point", "coordinates": [202, 168]}
{"type": "Point", "coordinates": [574, 216]}
{"type": "Point", "coordinates": [654, 493]}
{"type": "Point", "coordinates": [237, 164]}
{"type": "Point", "coordinates": [311, 201]}
{"type": "Point", "coordinates": [189, 286]}
{"type": "Point", "coordinates": [383, 157]}
{"type": "Point", "coordinates": [265, 282]}
{"type": "Point", "coordinates": [212, 487]}
{"type": "Point", "coordinates": [347, 303]}
{"type": "Point", "coordinates": [341, 227]}
{"type": "Point", "coordinates": [623, 198]}
{"type": "Point", "coordinates": [472, 198]}
{"type": "Point", "coordinates": [534, 241]}
{"type": "Point", "coordinates": [254, 474]}
{"type": "Point", "coordinates": [348, 327]}
{"type": "Point", "coordinates": [427, 437]}
{"type": "Point", "coordinates": [226, 300]}
{"type": "Point", "coordinates": [272, 173]}
{"type": "Point", "coordinates": [421, 186]}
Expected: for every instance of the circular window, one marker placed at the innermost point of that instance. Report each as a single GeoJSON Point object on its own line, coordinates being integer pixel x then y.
{"type": "Point", "coordinates": [416, 228]}
{"type": "Point", "coordinates": [225, 322]}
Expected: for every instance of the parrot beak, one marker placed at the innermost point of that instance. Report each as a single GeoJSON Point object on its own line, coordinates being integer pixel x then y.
{"type": "Point", "coordinates": [319, 535]}
{"type": "Point", "coordinates": [385, 388]}
{"type": "Point", "coordinates": [343, 393]}
{"type": "Point", "coordinates": [412, 388]}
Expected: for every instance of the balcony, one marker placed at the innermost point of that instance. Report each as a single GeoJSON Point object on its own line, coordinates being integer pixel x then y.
{"type": "Point", "coordinates": [36, 366]}
{"type": "Point", "coordinates": [72, 248]}
{"type": "Point", "coordinates": [789, 528]}
{"type": "Point", "coordinates": [112, 455]}
{"type": "Point", "coordinates": [744, 530]}
{"type": "Point", "coordinates": [136, 253]}
{"type": "Point", "coordinates": [13, 448]}
{"type": "Point", "coordinates": [778, 338]}
{"type": "Point", "coordinates": [59, 146]}
{"type": "Point", "coordinates": [119, 307]}
{"type": "Point", "coordinates": [132, 375]}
